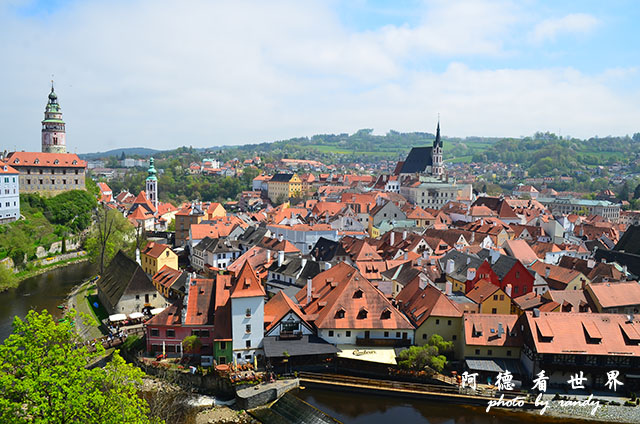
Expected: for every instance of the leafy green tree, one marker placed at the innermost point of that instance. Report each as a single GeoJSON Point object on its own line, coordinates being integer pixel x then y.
{"type": "Point", "coordinates": [441, 344]}
{"type": "Point", "coordinates": [111, 232]}
{"type": "Point", "coordinates": [424, 358]}
{"type": "Point", "coordinates": [624, 191]}
{"type": "Point", "coordinates": [71, 208]}
{"type": "Point", "coordinates": [191, 344]}
{"type": "Point", "coordinates": [636, 192]}
{"type": "Point", "coordinates": [7, 278]}
{"type": "Point", "coordinates": [44, 378]}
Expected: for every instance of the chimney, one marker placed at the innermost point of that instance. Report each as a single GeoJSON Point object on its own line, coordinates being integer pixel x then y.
{"type": "Point", "coordinates": [536, 313]}
{"type": "Point", "coordinates": [591, 263]}
{"type": "Point", "coordinates": [425, 254]}
{"type": "Point", "coordinates": [138, 257]}
{"type": "Point", "coordinates": [268, 255]}
{"type": "Point", "coordinates": [450, 266]}
{"type": "Point", "coordinates": [327, 266]}
{"type": "Point", "coordinates": [281, 237]}
{"type": "Point", "coordinates": [280, 257]}
{"type": "Point", "coordinates": [303, 263]}
{"type": "Point", "coordinates": [468, 260]}
{"type": "Point", "coordinates": [404, 235]}
{"type": "Point", "coordinates": [500, 330]}
{"type": "Point", "coordinates": [393, 238]}
{"type": "Point", "coordinates": [422, 283]}
{"type": "Point", "coordinates": [448, 288]}
{"type": "Point", "coordinates": [471, 274]}
{"type": "Point", "coordinates": [507, 290]}
{"type": "Point", "coordinates": [547, 272]}
{"type": "Point", "coordinates": [309, 285]}
{"type": "Point", "coordinates": [406, 256]}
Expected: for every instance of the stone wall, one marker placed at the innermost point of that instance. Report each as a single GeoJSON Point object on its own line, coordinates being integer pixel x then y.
{"type": "Point", "coordinates": [261, 394]}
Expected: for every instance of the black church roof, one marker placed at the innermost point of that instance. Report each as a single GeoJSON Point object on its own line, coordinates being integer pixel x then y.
{"type": "Point", "coordinates": [418, 160]}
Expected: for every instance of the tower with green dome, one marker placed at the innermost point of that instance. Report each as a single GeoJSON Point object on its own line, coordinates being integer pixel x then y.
{"type": "Point", "coordinates": [53, 131]}
{"type": "Point", "coordinates": [152, 184]}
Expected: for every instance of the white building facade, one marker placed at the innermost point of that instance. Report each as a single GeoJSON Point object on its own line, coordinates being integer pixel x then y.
{"type": "Point", "coordinates": [9, 194]}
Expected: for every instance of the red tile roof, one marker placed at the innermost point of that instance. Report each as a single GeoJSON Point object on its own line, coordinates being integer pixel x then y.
{"type": "Point", "coordinates": [200, 306]}
{"type": "Point", "coordinates": [482, 291]}
{"type": "Point", "coordinates": [56, 160]}
{"type": "Point", "coordinates": [247, 283]}
{"type": "Point", "coordinates": [6, 169]}
{"type": "Point", "coordinates": [278, 307]}
{"type": "Point", "coordinates": [343, 298]}
{"type": "Point", "coordinates": [420, 304]}
{"type": "Point", "coordinates": [154, 249]}
{"type": "Point", "coordinates": [612, 295]}
{"type": "Point", "coordinates": [483, 330]}
{"type": "Point", "coordinates": [584, 334]}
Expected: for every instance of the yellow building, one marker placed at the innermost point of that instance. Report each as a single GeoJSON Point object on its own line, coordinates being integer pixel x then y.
{"type": "Point", "coordinates": [490, 298]}
{"type": "Point", "coordinates": [215, 210]}
{"type": "Point", "coordinates": [282, 187]}
{"type": "Point", "coordinates": [432, 312]}
{"type": "Point", "coordinates": [491, 336]}
{"type": "Point", "coordinates": [157, 255]}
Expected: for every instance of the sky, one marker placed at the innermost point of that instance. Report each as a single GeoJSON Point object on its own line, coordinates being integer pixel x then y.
{"type": "Point", "coordinates": [163, 74]}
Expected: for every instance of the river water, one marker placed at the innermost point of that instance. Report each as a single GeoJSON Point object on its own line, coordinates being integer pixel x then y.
{"type": "Point", "coordinates": [44, 291]}
{"type": "Point", "coordinates": [357, 408]}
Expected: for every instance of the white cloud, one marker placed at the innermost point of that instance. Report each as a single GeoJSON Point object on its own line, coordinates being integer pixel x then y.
{"type": "Point", "coordinates": [574, 23]}
{"type": "Point", "coordinates": [164, 74]}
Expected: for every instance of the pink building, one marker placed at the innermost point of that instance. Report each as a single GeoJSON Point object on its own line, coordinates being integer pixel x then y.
{"type": "Point", "coordinates": [180, 320]}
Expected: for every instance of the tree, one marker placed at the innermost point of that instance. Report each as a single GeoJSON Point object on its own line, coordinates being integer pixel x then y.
{"type": "Point", "coordinates": [191, 344]}
{"type": "Point", "coordinates": [441, 344]}
{"type": "Point", "coordinates": [636, 192]}
{"type": "Point", "coordinates": [624, 191]}
{"type": "Point", "coordinates": [425, 358]}
{"type": "Point", "coordinates": [44, 378]}
{"type": "Point", "coordinates": [111, 232]}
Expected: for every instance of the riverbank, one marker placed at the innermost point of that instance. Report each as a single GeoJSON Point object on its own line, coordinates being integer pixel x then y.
{"type": "Point", "coordinates": [23, 275]}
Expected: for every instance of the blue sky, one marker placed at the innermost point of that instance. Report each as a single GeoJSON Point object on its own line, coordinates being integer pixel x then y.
{"type": "Point", "coordinates": [161, 73]}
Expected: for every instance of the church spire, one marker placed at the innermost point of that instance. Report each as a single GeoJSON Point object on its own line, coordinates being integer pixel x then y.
{"type": "Point", "coordinates": [438, 140]}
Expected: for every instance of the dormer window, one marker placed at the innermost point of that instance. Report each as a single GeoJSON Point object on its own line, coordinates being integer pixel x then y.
{"type": "Point", "coordinates": [386, 314]}
{"type": "Point", "coordinates": [37, 161]}
{"type": "Point", "coordinates": [75, 162]}
{"type": "Point", "coordinates": [357, 294]}
{"type": "Point", "coordinates": [340, 314]}
{"type": "Point", "coordinates": [362, 314]}
{"type": "Point", "coordinates": [16, 160]}
{"type": "Point", "coordinates": [55, 162]}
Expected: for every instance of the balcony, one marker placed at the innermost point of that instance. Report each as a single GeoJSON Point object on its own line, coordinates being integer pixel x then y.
{"type": "Point", "coordinates": [290, 335]}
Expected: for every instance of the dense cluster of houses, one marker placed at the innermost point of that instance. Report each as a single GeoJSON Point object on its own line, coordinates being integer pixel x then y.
{"type": "Point", "coordinates": [348, 262]}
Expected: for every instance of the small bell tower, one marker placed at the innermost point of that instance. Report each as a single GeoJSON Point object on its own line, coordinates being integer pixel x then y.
{"type": "Point", "coordinates": [152, 184]}
{"type": "Point", "coordinates": [53, 130]}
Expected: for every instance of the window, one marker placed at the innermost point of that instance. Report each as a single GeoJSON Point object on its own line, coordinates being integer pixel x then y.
{"type": "Point", "coordinates": [76, 182]}
{"type": "Point", "coordinates": [247, 312]}
{"type": "Point", "coordinates": [247, 328]}
{"type": "Point", "coordinates": [494, 311]}
{"type": "Point", "coordinates": [171, 333]}
{"type": "Point", "coordinates": [454, 337]}
{"type": "Point", "coordinates": [386, 314]}
{"type": "Point", "coordinates": [489, 352]}
{"type": "Point", "coordinates": [53, 172]}
{"type": "Point", "coordinates": [223, 345]}
{"type": "Point", "coordinates": [495, 297]}
{"type": "Point", "coordinates": [28, 181]}
{"type": "Point", "coordinates": [137, 297]}
{"type": "Point", "coordinates": [501, 297]}
{"type": "Point", "coordinates": [397, 334]}
{"type": "Point", "coordinates": [155, 332]}
{"type": "Point", "coordinates": [348, 333]}
{"type": "Point", "coordinates": [362, 314]}
{"type": "Point", "coordinates": [508, 353]}
{"type": "Point", "coordinates": [477, 351]}
{"type": "Point", "coordinates": [330, 333]}
{"type": "Point", "coordinates": [449, 322]}
{"type": "Point", "coordinates": [339, 314]}
{"type": "Point", "coordinates": [41, 182]}
{"type": "Point", "coordinates": [386, 334]}
{"type": "Point", "coordinates": [424, 336]}
{"type": "Point", "coordinates": [357, 294]}
{"type": "Point", "coordinates": [248, 344]}
{"type": "Point", "coordinates": [437, 322]}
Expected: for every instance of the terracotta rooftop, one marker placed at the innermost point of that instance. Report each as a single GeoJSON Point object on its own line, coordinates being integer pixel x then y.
{"type": "Point", "coordinates": [482, 290]}
{"type": "Point", "coordinates": [492, 330]}
{"type": "Point", "coordinates": [154, 249]}
{"type": "Point", "coordinates": [200, 306]}
{"type": "Point", "coordinates": [584, 334]}
{"type": "Point", "coordinates": [55, 160]}
{"type": "Point", "coordinates": [278, 307]}
{"type": "Point", "coordinates": [612, 295]}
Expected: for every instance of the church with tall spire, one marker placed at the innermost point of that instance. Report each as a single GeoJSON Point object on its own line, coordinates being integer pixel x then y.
{"type": "Point", "coordinates": [425, 161]}
{"type": "Point", "coordinates": [53, 130]}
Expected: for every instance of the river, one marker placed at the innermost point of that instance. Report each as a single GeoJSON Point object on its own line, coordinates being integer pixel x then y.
{"type": "Point", "coordinates": [44, 291]}
{"type": "Point", "coordinates": [356, 408]}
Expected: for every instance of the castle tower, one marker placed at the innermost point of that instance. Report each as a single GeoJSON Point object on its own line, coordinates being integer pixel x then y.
{"type": "Point", "coordinates": [437, 169]}
{"type": "Point", "coordinates": [53, 132]}
{"type": "Point", "coordinates": [152, 185]}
